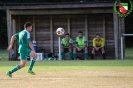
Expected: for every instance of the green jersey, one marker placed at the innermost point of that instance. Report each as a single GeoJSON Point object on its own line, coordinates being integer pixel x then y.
{"type": "Point", "coordinates": [81, 42]}
{"type": "Point", "coordinates": [65, 43]}
{"type": "Point", "coordinates": [23, 38]}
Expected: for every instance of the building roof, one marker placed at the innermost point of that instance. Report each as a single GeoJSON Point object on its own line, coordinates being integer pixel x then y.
{"type": "Point", "coordinates": [51, 4]}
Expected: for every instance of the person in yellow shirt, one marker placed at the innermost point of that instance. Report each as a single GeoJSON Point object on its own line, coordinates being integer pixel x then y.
{"type": "Point", "coordinates": [98, 45]}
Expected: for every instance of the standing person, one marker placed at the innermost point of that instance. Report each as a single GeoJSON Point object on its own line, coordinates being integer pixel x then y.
{"type": "Point", "coordinates": [80, 45]}
{"type": "Point", "coordinates": [98, 45]}
{"type": "Point", "coordinates": [24, 41]}
{"type": "Point", "coordinates": [66, 45]}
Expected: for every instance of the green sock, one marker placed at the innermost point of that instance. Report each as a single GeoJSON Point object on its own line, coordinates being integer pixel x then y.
{"type": "Point", "coordinates": [32, 62]}
{"type": "Point", "coordinates": [63, 55]}
{"type": "Point", "coordinates": [74, 55]}
{"type": "Point", "coordinates": [71, 55]}
{"type": "Point", "coordinates": [15, 69]}
{"type": "Point", "coordinates": [86, 54]}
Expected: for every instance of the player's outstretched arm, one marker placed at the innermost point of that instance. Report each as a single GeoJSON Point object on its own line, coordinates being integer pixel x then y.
{"type": "Point", "coordinates": [11, 43]}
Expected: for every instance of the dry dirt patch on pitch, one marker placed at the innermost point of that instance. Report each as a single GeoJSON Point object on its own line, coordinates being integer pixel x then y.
{"type": "Point", "coordinates": [104, 78]}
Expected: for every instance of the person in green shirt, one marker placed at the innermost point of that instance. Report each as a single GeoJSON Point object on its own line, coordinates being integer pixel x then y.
{"type": "Point", "coordinates": [66, 45]}
{"type": "Point", "coordinates": [24, 41]}
{"type": "Point", "coordinates": [80, 45]}
{"type": "Point", "coordinates": [98, 45]}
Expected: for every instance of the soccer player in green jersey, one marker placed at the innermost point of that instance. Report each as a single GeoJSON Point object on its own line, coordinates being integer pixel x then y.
{"type": "Point", "coordinates": [66, 45]}
{"type": "Point", "coordinates": [24, 41]}
{"type": "Point", "coordinates": [80, 45]}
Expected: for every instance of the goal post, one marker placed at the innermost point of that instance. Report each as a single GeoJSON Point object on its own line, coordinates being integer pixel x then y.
{"type": "Point", "coordinates": [59, 41]}
{"type": "Point", "coordinates": [123, 35]}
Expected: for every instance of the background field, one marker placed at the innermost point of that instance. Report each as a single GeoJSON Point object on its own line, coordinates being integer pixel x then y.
{"type": "Point", "coordinates": [69, 74]}
{"type": "Point", "coordinates": [128, 54]}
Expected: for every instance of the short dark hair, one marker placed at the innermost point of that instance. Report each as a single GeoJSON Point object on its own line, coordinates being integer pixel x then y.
{"type": "Point", "coordinates": [80, 32]}
{"type": "Point", "coordinates": [27, 24]}
{"type": "Point", "coordinates": [66, 34]}
{"type": "Point", "coordinates": [97, 34]}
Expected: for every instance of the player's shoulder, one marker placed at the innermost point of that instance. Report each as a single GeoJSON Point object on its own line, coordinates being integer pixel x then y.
{"type": "Point", "coordinates": [25, 32]}
{"type": "Point", "coordinates": [22, 31]}
{"type": "Point", "coordinates": [94, 38]}
{"type": "Point", "coordinates": [70, 38]}
{"type": "Point", "coordinates": [63, 39]}
{"type": "Point", "coordinates": [85, 37]}
{"type": "Point", "coordinates": [102, 38]}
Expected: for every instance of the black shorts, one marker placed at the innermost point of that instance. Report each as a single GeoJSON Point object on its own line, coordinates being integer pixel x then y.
{"type": "Point", "coordinates": [66, 50]}
{"type": "Point", "coordinates": [82, 50]}
{"type": "Point", "coordinates": [100, 50]}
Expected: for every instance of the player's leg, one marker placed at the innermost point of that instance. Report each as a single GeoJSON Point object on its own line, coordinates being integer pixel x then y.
{"type": "Point", "coordinates": [70, 53]}
{"type": "Point", "coordinates": [9, 73]}
{"type": "Point", "coordinates": [103, 53]}
{"type": "Point", "coordinates": [62, 53]}
{"type": "Point", "coordinates": [32, 62]}
{"type": "Point", "coordinates": [23, 58]}
{"type": "Point", "coordinates": [74, 53]}
{"type": "Point", "coordinates": [93, 52]}
{"type": "Point", "coordinates": [86, 53]}
{"type": "Point", "coordinates": [102, 49]}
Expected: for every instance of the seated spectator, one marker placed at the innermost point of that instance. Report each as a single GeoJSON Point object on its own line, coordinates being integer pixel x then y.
{"type": "Point", "coordinates": [80, 45]}
{"type": "Point", "coordinates": [98, 45]}
{"type": "Point", "coordinates": [66, 46]}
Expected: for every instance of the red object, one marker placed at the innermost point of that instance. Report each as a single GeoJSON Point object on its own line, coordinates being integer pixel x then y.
{"type": "Point", "coordinates": [122, 9]}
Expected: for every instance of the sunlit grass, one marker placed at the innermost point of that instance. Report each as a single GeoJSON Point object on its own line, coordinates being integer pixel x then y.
{"type": "Point", "coordinates": [69, 73]}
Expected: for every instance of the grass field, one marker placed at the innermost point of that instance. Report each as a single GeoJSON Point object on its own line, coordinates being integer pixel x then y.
{"type": "Point", "coordinates": [4, 55]}
{"type": "Point", "coordinates": [129, 53]}
{"type": "Point", "coordinates": [69, 74]}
